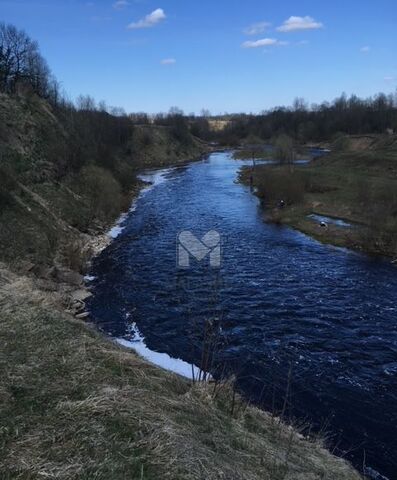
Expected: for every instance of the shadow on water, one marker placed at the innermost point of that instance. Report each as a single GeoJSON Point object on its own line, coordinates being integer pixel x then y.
{"type": "Point", "coordinates": [281, 301]}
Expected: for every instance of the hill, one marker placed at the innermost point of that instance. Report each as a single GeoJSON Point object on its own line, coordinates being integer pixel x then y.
{"type": "Point", "coordinates": [67, 174]}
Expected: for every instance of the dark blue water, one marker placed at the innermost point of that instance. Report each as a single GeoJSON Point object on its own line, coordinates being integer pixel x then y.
{"type": "Point", "coordinates": [283, 306]}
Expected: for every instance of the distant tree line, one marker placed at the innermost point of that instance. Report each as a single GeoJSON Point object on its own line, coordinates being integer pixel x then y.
{"type": "Point", "coordinates": [320, 122]}
{"type": "Point", "coordinates": [24, 70]}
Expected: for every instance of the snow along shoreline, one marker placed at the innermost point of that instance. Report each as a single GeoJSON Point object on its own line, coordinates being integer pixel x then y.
{"type": "Point", "coordinates": [137, 341]}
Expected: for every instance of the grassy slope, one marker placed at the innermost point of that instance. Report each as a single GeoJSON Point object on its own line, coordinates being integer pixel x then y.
{"type": "Point", "coordinates": [342, 184]}
{"type": "Point", "coordinates": [75, 406]}
{"type": "Point", "coordinates": [46, 211]}
{"type": "Point", "coordinates": [154, 146]}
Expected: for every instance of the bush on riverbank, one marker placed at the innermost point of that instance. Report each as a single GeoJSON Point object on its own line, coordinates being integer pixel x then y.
{"type": "Point", "coordinates": [103, 192]}
{"type": "Point", "coordinates": [284, 149]}
{"type": "Point", "coordinates": [379, 206]}
{"type": "Point", "coordinates": [277, 184]}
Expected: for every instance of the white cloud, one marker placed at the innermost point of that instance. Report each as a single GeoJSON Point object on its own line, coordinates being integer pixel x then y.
{"type": "Point", "coordinates": [150, 20]}
{"type": "Point", "coordinates": [365, 49]}
{"type": "Point", "coordinates": [168, 61]}
{"type": "Point", "coordinates": [257, 28]}
{"type": "Point", "coordinates": [300, 23]}
{"type": "Point", "coordinates": [264, 42]}
{"type": "Point", "coordinates": [389, 79]}
{"type": "Point", "coordinates": [120, 4]}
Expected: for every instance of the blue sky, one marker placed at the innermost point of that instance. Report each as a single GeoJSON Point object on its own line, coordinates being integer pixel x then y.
{"type": "Point", "coordinates": [234, 56]}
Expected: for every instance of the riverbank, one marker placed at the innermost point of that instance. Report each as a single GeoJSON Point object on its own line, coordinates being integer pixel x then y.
{"type": "Point", "coordinates": [65, 177]}
{"type": "Point", "coordinates": [356, 185]}
{"type": "Point", "coordinates": [75, 405]}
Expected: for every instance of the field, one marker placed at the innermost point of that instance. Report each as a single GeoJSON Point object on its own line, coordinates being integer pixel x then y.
{"type": "Point", "coordinates": [357, 185]}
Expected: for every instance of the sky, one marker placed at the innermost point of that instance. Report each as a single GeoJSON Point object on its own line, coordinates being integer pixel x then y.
{"type": "Point", "coordinates": [224, 56]}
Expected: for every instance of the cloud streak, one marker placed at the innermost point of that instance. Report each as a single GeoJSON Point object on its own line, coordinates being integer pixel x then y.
{"type": "Point", "coordinates": [120, 4]}
{"type": "Point", "coordinates": [263, 42]}
{"type": "Point", "coordinates": [149, 21]}
{"type": "Point", "coordinates": [168, 61]}
{"type": "Point", "coordinates": [294, 24]}
{"type": "Point", "coordinates": [365, 49]}
{"type": "Point", "coordinates": [257, 28]}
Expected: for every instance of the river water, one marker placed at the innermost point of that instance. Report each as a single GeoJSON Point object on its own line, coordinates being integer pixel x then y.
{"type": "Point", "coordinates": [293, 319]}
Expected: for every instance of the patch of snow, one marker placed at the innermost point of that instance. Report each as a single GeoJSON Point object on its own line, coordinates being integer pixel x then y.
{"type": "Point", "coordinates": [163, 360]}
{"type": "Point", "coordinates": [89, 278]}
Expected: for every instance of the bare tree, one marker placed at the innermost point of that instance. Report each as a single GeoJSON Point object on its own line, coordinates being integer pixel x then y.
{"type": "Point", "coordinates": [175, 111]}
{"type": "Point", "coordinates": [284, 149]}
{"type": "Point", "coordinates": [21, 62]}
{"type": "Point", "coordinates": [86, 103]}
{"type": "Point", "coordinates": [299, 105]}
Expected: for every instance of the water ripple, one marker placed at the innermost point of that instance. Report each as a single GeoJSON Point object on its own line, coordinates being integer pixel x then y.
{"type": "Point", "coordinates": [281, 300]}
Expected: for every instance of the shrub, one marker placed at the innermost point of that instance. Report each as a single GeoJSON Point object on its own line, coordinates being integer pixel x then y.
{"type": "Point", "coordinates": [147, 139]}
{"type": "Point", "coordinates": [76, 256]}
{"type": "Point", "coordinates": [280, 184]}
{"type": "Point", "coordinates": [379, 207]}
{"type": "Point", "coordinates": [284, 149]}
{"type": "Point", "coordinates": [102, 190]}
{"type": "Point", "coordinates": [341, 143]}
{"type": "Point", "coordinates": [125, 175]}
{"type": "Point", "coordinates": [180, 129]}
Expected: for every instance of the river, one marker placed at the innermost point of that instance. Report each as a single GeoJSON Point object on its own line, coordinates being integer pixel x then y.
{"type": "Point", "coordinates": [294, 319]}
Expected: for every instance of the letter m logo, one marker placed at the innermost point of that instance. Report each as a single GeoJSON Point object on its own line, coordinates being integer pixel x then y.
{"type": "Point", "coordinates": [189, 246]}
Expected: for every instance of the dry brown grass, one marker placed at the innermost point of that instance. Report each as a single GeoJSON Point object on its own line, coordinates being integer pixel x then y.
{"type": "Point", "coordinates": [76, 406]}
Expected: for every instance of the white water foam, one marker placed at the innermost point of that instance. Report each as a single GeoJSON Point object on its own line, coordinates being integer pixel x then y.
{"type": "Point", "coordinates": [153, 179]}
{"type": "Point", "coordinates": [137, 342]}
{"type": "Point", "coordinates": [115, 231]}
{"type": "Point", "coordinates": [89, 278]}
{"type": "Point", "coordinates": [163, 360]}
